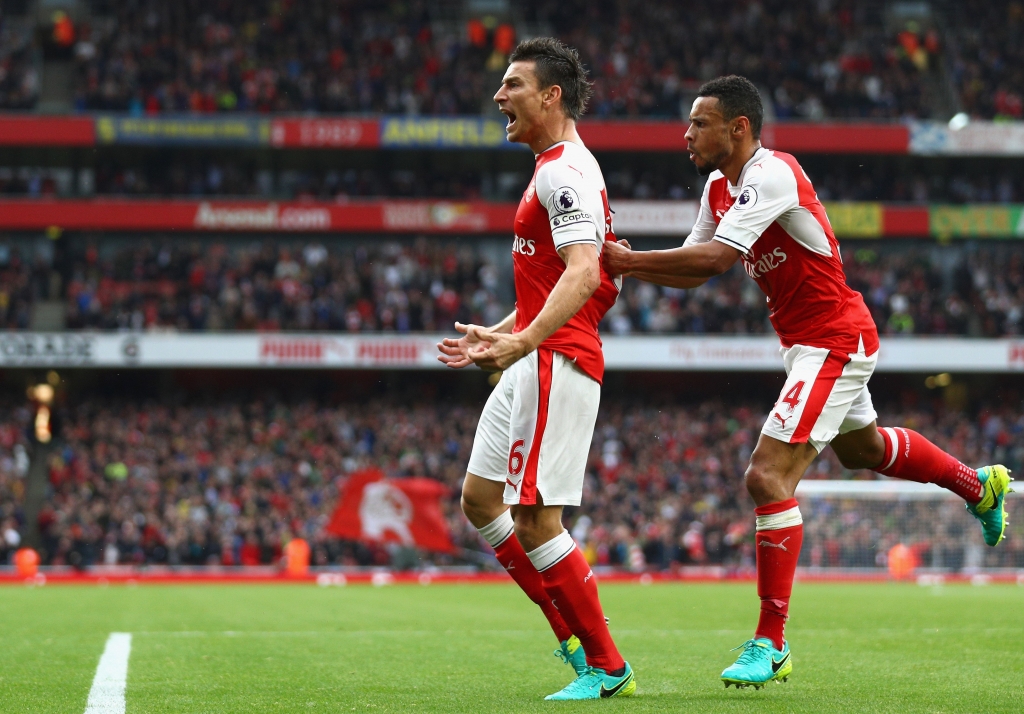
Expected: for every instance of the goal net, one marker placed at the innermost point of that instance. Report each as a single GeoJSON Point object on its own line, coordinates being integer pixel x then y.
{"type": "Point", "coordinates": [901, 527]}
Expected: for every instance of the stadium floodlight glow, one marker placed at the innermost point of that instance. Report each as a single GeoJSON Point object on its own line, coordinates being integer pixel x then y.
{"type": "Point", "coordinates": [959, 121]}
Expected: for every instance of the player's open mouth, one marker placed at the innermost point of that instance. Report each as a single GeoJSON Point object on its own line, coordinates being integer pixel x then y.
{"type": "Point", "coordinates": [511, 119]}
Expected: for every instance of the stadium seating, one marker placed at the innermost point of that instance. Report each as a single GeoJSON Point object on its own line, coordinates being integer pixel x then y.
{"type": "Point", "coordinates": [19, 78]}
{"type": "Point", "coordinates": [815, 60]}
{"type": "Point", "coordinates": [198, 176]}
{"type": "Point", "coordinates": [226, 480]}
{"type": "Point", "coordinates": [403, 287]}
{"type": "Point", "coordinates": [984, 55]}
{"type": "Point", "coordinates": [425, 285]}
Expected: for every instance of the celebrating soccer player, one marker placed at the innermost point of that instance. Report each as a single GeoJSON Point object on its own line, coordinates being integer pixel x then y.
{"type": "Point", "coordinates": [531, 444]}
{"type": "Point", "coordinates": [759, 206]}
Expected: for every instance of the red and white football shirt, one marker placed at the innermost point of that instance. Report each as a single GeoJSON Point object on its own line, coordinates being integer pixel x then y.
{"type": "Point", "coordinates": [565, 204]}
{"type": "Point", "coordinates": [774, 218]}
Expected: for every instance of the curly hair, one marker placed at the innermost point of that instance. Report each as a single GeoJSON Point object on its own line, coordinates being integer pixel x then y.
{"type": "Point", "coordinates": [738, 97]}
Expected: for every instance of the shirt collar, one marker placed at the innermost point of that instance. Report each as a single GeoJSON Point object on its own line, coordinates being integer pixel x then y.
{"type": "Point", "coordinates": [758, 155]}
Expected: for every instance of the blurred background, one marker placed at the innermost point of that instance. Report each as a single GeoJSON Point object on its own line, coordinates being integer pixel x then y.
{"type": "Point", "coordinates": [232, 232]}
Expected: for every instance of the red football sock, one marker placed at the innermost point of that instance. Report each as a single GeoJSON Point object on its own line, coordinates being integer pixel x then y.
{"type": "Point", "coordinates": [910, 456]}
{"type": "Point", "coordinates": [572, 587]}
{"type": "Point", "coordinates": [780, 533]}
{"type": "Point", "coordinates": [513, 558]}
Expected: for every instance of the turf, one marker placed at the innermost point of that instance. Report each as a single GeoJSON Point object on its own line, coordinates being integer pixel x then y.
{"type": "Point", "coordinates": [482, 648]}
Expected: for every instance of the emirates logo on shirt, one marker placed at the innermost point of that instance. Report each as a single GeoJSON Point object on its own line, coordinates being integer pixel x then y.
{"type": "Point", "coordinates": [523, 246]}
{"type": "Point", "coordinates": [766, 263]}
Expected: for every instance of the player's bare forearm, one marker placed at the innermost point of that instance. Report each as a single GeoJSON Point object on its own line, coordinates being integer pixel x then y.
{"type": "Point", "coordinates": [669, 281]}
{"type": "Point", "coordinates": [581, 278]}
{"type": "Point", "coordinates": [704, 260]}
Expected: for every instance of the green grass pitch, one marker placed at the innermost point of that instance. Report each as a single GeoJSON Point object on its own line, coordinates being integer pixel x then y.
{"type": "Point", "coordinates": [485, 648]}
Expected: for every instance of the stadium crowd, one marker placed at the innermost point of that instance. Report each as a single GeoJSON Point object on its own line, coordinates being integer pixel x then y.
{"type": "Point", "coordinates": [424, 285]}
{"type": "Point", "coordinates": [19, 79]}
{"type": "Point", "coordinates": [985, 58]}
{"type": "Point", "coordinates": [196, 177]}
{"type": "Point", "coordinates": [229, 482]}
{"type": "Point", "coordinates": [816, 59]}
{"type": "Point", "coordinates": [974, 289]}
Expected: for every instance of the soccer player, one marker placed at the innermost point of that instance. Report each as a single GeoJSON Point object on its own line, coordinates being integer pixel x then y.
{"type": "Point", "coordinates": [533, 438]}
{"type": "Point", "coordinates": [759, 207]}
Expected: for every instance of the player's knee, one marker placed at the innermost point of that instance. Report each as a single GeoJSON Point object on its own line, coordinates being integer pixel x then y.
{"type": "Point", "coordinates": [534, 527]}
{"type": "Point", "coordinates": [476, 512]}
{"type": "Point", "coordinates": [527, 533]}
{"type": "Point", "coordinates": [761, 483]}
{"type": "Point", "coordinates": [479, 508]}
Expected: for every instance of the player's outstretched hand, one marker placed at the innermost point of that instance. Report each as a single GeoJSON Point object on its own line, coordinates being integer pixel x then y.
{"type": "Point", "coordinates": [455, 351]}
{"type": "Point", "coordinates": [505, 350]}
{"type": "Point", "coordinates": [615, 257]}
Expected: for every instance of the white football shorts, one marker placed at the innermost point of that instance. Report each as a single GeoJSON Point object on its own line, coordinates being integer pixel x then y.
{"type": "Point", "coordinates": [826, 394]}
{"type": "Point", "coordinates": [535, 431]}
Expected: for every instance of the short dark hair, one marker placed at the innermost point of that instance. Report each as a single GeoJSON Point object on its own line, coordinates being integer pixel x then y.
{"type": "Point", "coordinates": [554, 63]}
{"type": "Point", "coordinates": [738, 97]}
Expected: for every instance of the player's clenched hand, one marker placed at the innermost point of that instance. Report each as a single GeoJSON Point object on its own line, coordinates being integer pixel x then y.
{"type": "Point", "coordinates": [455, 352]}
{"type": "Point", "coordinates": [505, 350]}
{"type": "Point", "coordinates": [615, 257]}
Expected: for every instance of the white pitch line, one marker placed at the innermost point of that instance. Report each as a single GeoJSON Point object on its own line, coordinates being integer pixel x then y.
{"type": "Point", "coordinates": [107, 693]}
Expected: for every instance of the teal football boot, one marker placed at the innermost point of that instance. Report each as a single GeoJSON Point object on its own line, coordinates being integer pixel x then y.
{"type": "Point", "coordinates": [572, 654]}
{"type": "Point", "coordinates": [758, 664]}
{"type": "Point", "coordinates": [990, 510]}
{"type": "Point", "coordinates": [595, 683]}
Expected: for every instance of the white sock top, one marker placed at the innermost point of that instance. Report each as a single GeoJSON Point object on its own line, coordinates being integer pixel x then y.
{"type": "Point", "coordinates": [497, 531]}
{"type": "Point", "coordinates": [775, 521]}
{"type": "Point", "coordinates": [552, 552]}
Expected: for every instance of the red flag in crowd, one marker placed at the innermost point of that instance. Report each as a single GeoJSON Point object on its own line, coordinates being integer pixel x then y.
{"type": "Point", "coordinates": [378, 509]}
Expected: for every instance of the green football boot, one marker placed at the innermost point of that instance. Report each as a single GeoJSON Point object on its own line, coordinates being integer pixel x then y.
{"type": "Point", "coordinates": [572, 653]}
{"type": "Point", "coordinates": [595, 683]}
{"type": "Point", "coordinates": [758, 664]}
{"type": "Point", "coordinates": [990, 510]}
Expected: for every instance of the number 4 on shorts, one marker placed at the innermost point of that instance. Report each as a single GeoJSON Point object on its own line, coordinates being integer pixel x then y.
{"type": "Point", "coordinates": [792, 397]}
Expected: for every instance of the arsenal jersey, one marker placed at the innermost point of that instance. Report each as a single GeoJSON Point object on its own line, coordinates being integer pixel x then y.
{"type": "Point", "coordinates": [774, 218]}
{"type": "Point", "coordinates": [565, 204]}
